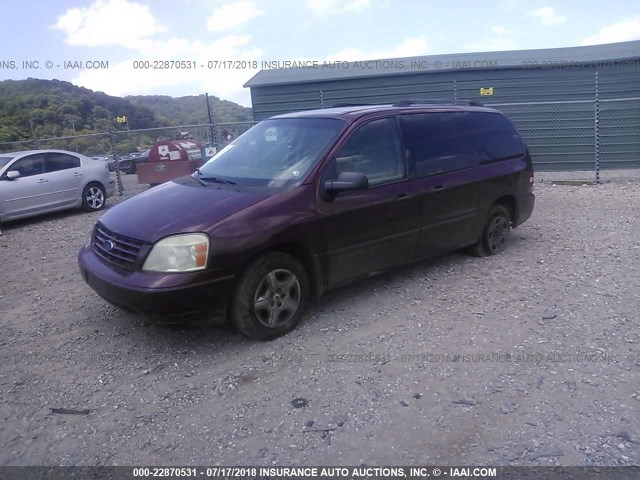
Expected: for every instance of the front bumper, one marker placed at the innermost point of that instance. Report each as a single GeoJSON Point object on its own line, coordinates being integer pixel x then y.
{"type": "Point", "coordinates": [169, 305]}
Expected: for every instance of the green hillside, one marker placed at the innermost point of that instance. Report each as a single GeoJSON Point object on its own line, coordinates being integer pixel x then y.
{"type": "Point", "coordinates": [53, 108]}
{"type": "Point", "coordinates": [192, 110]}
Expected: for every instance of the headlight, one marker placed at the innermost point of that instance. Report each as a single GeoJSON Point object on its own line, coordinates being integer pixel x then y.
{"type": "Point", "coordinates": [179, 253]}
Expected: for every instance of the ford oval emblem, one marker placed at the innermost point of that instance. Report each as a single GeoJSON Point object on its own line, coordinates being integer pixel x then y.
{"type": "Point", "coordinates": [108, 245]}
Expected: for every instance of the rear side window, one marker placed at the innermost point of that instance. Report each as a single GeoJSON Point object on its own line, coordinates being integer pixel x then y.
{"type": "Point", "coordinates": [442, 142]}
{"type": "Point", "coordinates": [61, 161]}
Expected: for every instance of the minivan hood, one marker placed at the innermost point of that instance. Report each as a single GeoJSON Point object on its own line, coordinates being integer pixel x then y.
{"type": "Point", "coordinates": [175, 208]}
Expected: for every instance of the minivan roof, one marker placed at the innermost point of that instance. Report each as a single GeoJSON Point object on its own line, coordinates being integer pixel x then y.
{"type": "Point", "coordinates": [354, 111]}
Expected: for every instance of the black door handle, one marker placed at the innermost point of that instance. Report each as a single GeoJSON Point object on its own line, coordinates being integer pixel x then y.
{"type": "Point", "coordinates": [402, 196]}
{"type": "Point", "coordinates": [438, 189]}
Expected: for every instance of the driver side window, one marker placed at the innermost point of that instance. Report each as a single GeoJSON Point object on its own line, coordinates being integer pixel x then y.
{"type": "Point", "coordinates": [375, 150]}
{"type": "Point", "coordinates": [29, 166]}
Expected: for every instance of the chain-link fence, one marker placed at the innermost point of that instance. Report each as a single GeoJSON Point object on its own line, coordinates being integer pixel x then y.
{"type": "Point", "coordinates": [206, 134]}
{"type": "Point", "coordinates": [128, 141]}
{"type": "Point", "coordinates": [124, 149]}
{"type": "Point", "coordinates": [560, 135]}
{"type": "Point", "coordinates": [87, 144]}
{"type": "Point", "coordinates": [585, 123]}
{"type": "Point", "coordinates": [593, 139]}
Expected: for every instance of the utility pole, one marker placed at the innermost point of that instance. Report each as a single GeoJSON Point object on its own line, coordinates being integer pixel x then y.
{"type": "Point", "coordinates": [33, 136]}
{"type": "Point", "coordinates": [73, 128]}
{"type": "Point", "coordinates": [115, 156]}
{"type": "Point", "coordinates": [214, 140]}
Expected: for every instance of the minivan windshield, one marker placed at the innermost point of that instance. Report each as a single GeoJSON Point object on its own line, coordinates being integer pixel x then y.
{"type": "Point", "coordinates": [275, 155]}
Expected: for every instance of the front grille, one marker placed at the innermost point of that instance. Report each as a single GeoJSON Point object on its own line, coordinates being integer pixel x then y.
{"type": "Point", "coordinates": [121, 252]}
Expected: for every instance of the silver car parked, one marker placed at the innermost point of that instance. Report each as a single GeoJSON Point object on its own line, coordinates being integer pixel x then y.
{"type": "Point", "coordinates": [40, 181]}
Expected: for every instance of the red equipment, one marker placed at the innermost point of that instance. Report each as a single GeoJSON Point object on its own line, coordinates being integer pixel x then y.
{"type": "Point", "coordinates": [170, 159]}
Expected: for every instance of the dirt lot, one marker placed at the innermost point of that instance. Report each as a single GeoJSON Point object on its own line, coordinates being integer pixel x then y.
{"type": "Point", "coordinates": [546, 338]}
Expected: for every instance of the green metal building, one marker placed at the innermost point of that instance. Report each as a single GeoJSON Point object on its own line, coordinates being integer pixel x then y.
{"type": "Point", "coordinates": [577, 107]}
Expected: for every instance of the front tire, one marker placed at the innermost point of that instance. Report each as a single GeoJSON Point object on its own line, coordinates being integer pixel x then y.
{"type": "Point", "coordinates": [270, 297]}
{"type": "Point", "coordinates": [495, 233]}
{"type": "Point", "coordinates": [93, 197]}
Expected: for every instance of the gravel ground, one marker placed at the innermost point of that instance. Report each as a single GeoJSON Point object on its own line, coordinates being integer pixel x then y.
{"type": "Point", "coordinates": [373, 362]}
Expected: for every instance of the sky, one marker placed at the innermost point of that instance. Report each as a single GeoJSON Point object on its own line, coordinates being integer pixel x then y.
{"type": "Point", "coordinates": [104, 45]}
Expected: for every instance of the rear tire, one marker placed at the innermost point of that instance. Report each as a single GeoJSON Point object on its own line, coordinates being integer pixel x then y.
{"type": "Point", "coordinates": [495, 233]}
{"type": "Point", "coordinates": [270, 297]}
{"type": "Point", "coordinates": [94, 197]}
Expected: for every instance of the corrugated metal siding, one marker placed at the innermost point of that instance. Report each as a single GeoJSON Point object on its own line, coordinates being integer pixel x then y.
{"type": "Point", "coordinates": [510, 85]}
{"type": "Point", "coordinates": [565, 57]}
{"type": "Point", "coordinates": [620, 134]}
{"type": "Point", "coordinates": [560, 136]}
{"type": "Point", "coordinates": [554, 108]}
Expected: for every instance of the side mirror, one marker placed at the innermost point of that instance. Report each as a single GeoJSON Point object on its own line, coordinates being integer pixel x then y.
{"type": "Point", "coordinates": [346, 182]}
{"type": "Point", "coordinates": [13, 174]}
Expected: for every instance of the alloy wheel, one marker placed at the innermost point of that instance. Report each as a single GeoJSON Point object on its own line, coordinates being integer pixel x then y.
{"type": "Point", "coordinates": [497, 234]}
{"type": "Point", "coordinates": [277, 298]}
{"type": "Point", "coordinates": [95, 198]}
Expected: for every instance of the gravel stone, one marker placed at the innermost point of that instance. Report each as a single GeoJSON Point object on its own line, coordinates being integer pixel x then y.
{"type": "Point", "coordinates": [538, 346]}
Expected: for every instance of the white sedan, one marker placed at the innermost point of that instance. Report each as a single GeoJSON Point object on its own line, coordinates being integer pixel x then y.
{"type": "Point", "coordinates": [41, 181]}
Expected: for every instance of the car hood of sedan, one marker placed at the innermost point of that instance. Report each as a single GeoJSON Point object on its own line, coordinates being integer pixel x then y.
{"type": "Point", "coordinates": [175, 208]}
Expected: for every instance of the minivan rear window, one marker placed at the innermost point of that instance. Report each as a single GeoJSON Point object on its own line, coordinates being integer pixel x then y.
{"type": "Point", "coordinates": [496, 137]}
{"type": "Point", "coordinates": [441, 142]}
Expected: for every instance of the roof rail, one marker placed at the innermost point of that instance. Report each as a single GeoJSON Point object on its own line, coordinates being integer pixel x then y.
{"type": "Point", "coordinates": [406, 103]}
{"type": "Point", "coordinates": [337, 105]}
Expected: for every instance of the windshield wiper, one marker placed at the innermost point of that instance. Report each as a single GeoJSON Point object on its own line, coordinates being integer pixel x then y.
{"type": "Point", "coordinates": [202, 179]}
{"type": "Point", "coordinates": [212, 179]}
{"type": "Point", "coordinates": [202, 182]}
{"type": "Point", "coordinates": [218, 180]}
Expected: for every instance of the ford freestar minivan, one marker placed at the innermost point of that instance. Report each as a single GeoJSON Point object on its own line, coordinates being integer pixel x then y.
{"type": "Point", "coordinates": [305, 202]}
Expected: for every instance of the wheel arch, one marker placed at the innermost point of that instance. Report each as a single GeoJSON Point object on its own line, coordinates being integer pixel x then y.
{"type": "Point", "coordinates": [92, 181]}
{"type": "Point", "coordinates": [509, 202]}
{"type": "Point", "coordinates": [307, 259]}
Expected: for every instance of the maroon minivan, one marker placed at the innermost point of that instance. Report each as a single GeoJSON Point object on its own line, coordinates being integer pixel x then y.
{"type": "Point", "coordinates": [308, 201]}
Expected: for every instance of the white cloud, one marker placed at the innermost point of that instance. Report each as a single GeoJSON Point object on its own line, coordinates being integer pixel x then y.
{"type": "Point", "coordinates": [492, 44]}
{"type": "Point", "coordinates": [357, 5]}
{"type": "Point", "coordinates": [322, 7]}
{"type": "Point", "coordinates": [131, 25]}
{"type": "Point", "coordinates": [509, 4]}
{"type": "Point", "coordinates": [501, 40]}
{"type": "Point", "coordinates": [232, 15]}
{"type": "Point", "coordinates": [108, 22]}
{"type": "Point", "coordinates": [617, 32]}
{"type": "Point", "coordinates": [548, 16]}
{"type": "Point", "coordinates": [411, 47]}
{"type": "Point", "coordinates": [500, 30]}
{"type": "Point", "coordinates": [123, 79]}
